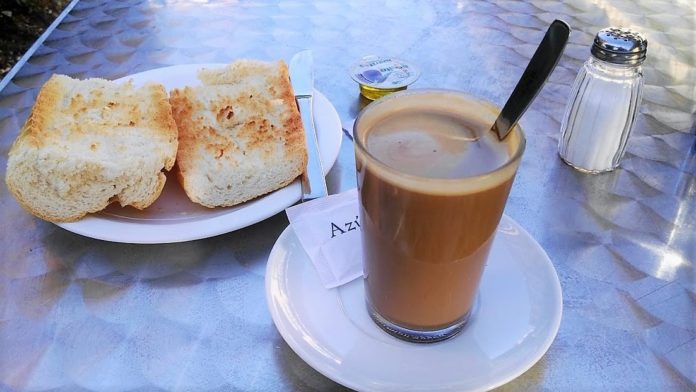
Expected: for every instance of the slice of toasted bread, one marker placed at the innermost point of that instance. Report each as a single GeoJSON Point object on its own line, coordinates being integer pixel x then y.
{"type": "Point", "coordinates": [240, 133]}
{"type": "Point", "coordinates": [91, 142]}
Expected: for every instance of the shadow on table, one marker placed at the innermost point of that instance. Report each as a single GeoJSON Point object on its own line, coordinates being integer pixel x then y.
{"type": "Point", "coordinates": [302, 376]}
{"type": "Point", "coordinates": [103, 268]}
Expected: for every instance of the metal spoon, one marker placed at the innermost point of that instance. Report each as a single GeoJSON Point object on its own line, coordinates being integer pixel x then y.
{"type": "Point", "coordinates": [538, 70]}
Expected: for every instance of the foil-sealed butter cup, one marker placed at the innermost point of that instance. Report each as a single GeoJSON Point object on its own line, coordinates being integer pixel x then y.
{"type": "Point", "coordinates": [379, 76]}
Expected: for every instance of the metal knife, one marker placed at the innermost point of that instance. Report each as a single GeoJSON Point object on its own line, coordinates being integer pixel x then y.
{"type": "Point", "coordinates": [302, 79]}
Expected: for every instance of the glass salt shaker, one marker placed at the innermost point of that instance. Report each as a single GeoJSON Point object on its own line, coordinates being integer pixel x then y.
{"type": "Point", "coordinates": [604, 102]}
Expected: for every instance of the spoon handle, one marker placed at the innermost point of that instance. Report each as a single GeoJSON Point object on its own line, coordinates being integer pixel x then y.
{"type": "Point", "coordinates": [538, 70]}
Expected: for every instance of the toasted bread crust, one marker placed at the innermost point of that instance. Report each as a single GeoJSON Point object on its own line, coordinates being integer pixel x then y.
{"type": "Point", "coordinates": [88, 143]}
{"type": "Point", "coordinates": [240, 133]}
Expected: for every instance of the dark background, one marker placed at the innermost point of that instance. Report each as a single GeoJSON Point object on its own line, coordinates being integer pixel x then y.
{"type": "Point", "coordinates": [21, 23]}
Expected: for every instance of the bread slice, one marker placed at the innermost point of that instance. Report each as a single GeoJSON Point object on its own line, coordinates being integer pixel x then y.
{"type": "Point", "coordinates": [91, 142]}
{"type": "Point", "coordinates": [240, 133]}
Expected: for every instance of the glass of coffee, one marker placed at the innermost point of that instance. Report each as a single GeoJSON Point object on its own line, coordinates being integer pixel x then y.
{"type": "Point", "coordinates": [433, 181]}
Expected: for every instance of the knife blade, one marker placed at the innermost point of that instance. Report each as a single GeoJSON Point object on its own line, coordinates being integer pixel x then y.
{"type": "Point", "coordinates": [302, 79]}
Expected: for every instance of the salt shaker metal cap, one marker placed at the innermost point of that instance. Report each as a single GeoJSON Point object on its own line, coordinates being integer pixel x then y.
{"type": "Point", "coordinates": [620, 46]}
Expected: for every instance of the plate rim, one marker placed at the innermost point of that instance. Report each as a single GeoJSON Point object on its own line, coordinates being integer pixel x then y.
{"type": "Point", "coordinates": [275, 262]}
{"type": "Point", "coordinates": [186, 230]}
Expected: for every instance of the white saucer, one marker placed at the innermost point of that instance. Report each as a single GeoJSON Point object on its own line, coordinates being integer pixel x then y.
{"type": "Point", "coordinates": [518, 315]}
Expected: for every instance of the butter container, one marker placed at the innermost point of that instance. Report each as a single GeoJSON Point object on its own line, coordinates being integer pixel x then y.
{"type": "Point", "coordinates": [379, 76]}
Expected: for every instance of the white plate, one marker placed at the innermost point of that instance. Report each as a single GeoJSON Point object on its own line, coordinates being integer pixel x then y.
{"type": "Point", "coordinates": [173, 217]}
{"type": "Point", "coordinates": [518, 315]}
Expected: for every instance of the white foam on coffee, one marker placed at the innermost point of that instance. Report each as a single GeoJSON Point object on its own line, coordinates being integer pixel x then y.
{"type": "Point", "coordinates": [393, 131]}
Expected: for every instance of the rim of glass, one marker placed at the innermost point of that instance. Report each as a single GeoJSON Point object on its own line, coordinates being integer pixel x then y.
{"type": "Point", "coordinates": [511, 160]}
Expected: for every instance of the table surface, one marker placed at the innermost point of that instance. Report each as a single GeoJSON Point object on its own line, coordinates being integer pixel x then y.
{"type": "Point", "coordinates": [82, 314]}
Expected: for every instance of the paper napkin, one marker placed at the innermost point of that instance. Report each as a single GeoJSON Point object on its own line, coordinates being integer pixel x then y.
{"type": "Point", "coordinates": [329, 231]}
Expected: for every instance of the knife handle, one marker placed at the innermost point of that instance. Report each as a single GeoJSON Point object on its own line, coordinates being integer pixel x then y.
{"type": "Point", "coordinates": [313, 181]}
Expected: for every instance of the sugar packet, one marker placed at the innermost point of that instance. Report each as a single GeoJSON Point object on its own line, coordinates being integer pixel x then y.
{"type": "Point", "coordinates": [329, 231]}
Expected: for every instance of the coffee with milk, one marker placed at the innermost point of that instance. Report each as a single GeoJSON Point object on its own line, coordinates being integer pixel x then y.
{"type": "Point", "coordinates": [433, 182]}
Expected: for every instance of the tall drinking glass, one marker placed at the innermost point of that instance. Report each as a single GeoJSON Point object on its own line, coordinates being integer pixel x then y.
{"type": "Point", "coordinates": [433, 182]}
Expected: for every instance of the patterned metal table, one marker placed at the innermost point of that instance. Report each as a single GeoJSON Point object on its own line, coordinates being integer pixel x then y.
{"type": "Point", "coordinates": [82, 314]}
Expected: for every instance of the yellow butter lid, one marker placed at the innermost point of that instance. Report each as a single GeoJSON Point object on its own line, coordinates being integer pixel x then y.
{"type": "Point", "coordinates": [379, 76]}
